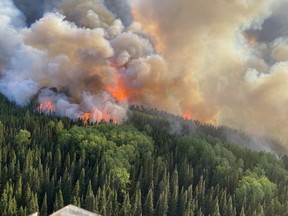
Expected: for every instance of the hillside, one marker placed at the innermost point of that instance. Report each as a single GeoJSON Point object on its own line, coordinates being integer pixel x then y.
{"type": "Point", "coordinates": [154, 164]}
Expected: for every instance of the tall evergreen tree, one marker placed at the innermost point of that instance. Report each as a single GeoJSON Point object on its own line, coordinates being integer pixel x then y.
{"type": "Point", "coordinates": [59, 203]}
{"type": "Point", "coordinates": [44, 208]}
{"type": "Point", "coordinates": [162, 204]}
{"type": "Point", "coordinates": [90, 199]}
{"type": "Point", "coordinates": [149, 204]}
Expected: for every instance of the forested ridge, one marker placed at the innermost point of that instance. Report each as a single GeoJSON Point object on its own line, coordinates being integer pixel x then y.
{"type": "Point", "coordinates": [154, 164]}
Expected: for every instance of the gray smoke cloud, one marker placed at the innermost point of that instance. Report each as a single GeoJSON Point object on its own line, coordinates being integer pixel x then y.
{"type": "Point", "coordinates": [221, 62]}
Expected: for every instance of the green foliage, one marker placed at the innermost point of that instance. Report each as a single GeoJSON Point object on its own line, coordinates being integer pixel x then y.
{"type": "Point", "coordinates": [23, 137]}
{"type": "Point", "coordinates": [119, 147]}
{"type": "Point", "coordinates": [254, 188]}
{"type": "Point", "coordinates": [138, 168]}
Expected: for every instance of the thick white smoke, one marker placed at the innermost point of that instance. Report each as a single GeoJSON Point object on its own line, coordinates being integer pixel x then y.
{"type": "Point", "coordinates": [82, 51]}
{"type": "Point", "coordinates": [223, 62]}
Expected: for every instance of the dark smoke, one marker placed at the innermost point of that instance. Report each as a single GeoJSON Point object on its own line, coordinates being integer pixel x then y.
{"type": "Point", "coordinates": [32, 9]}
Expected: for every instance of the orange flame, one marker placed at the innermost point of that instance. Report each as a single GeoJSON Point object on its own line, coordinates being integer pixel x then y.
{"type": "Point", "coordinates": [47, 106]}
{"type": "Point", "coordinates": [97, 116]}
{"type": "Point", "coordinates": [187, 115]}
{"type": "Point", "coordinates": [118, 91]}
{"type": "Point", "coordinates": [85, 117]}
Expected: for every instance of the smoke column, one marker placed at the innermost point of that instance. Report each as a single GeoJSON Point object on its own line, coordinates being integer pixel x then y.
{"type": "Point", "coordinates": [218, 61]}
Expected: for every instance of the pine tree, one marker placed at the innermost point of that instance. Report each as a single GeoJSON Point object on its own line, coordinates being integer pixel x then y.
{"type": "Point", "coordinates": [174, 193]}
{"type": "Point", "coordinates": [126, 206]}
{"type": "Point", "coordinates": [22, 212]}
{"type": "Point", "coordinates": [200, 213]}
{"type": "Point", "coordinates": [95, 179]}
{"type": "Point", "coordinates": [67, 187]}
{"type": "Point", "coordinates": [44, 208]}
{"type": "Point", "coordinates": [32, 204]}
{"type": "Point", "coordinates": [223, 202]}
{"type": "Point", "coordinates": [242, 213]}
{"type": "Point", "coordinates": [12, 206]}
{"type": "Point", "coordinates": [90, 198]}
{"type": "Point", "coordinates": [4, 202]}
{"type": "Point", "coordinates": [260, 211]}
{"type": "Point", "coordinates": [230, 209]}
{"type": "Point", "coordinates": [215, 208]}
{"type": "Point", "coordinates": [27, 195]}
{"type": "Point", "coordinates": [59, 203]}
{"type": "Point", "coordinates": [57, 161]}
{"type": "Point", "coordinates": [162, 204]}
{"type": "Point", "coordinates": [149, 204]}
{"type": "Point", "coordinates": [137, 204]}
{"type": "Point", "coordinates": [82, 182]}
{"type": "Point", "coordinates": [182, 202]}
{"type": "Point", "coordinates": [101, 195]}
{"type": "Point", "coordinates": [189, 209]}
{"type": "Point", "coordinates": [76, 195]}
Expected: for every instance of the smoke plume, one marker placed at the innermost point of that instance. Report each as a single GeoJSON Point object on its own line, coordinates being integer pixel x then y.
{"type": "Point", "coordinates": [218, 61]}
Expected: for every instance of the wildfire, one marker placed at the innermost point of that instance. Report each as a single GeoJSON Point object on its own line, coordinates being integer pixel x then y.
{"type": "Point", "coordinates": [97, 116]}
{"type": "Point", "coordinates": [187, 115]}
{"type": "Point", "coordinates": [117, 91]}
{"type": "Point", "coordinates": [85, 117]}
{"type": "Point", "coordinates": [47, 106]}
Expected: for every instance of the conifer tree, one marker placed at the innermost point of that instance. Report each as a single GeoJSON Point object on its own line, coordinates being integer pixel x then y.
{"type": "Point", "coordinates": [215, 208]}
{"type": "Point", "coordinates": [126, 207]}
{"type": "Point", "coordinates": [90, 199]}
{"type": "Point", "coordinates": [149, 204]}
{"type": "Point", "coordinates": [44, 208]}
{"type": "Point", "coordinates": [242, 213]}
{"type": "Point", "coordinates": [137, 204]}
{"type": "Point", "coordinates": [76, 195]}
{"type": "Point", "coordinates": [59, 203]}
{"type": "Point", "coordinates": [162, 204]}
{"type": "Point", "coordinates": [230, 208]}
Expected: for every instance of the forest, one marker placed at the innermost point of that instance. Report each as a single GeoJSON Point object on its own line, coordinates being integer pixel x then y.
{"type": "Point", "coordinates": [153, 164]}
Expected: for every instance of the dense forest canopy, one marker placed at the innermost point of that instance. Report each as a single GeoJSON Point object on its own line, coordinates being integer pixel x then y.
{"type": "Point", "coordinates": [142, 167]}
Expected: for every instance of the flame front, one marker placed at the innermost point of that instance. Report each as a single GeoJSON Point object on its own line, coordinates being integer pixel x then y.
{"type": "Point", "coordinates": [47, 106]}
{"type": "Point", "coordinates": [118, 91]}
{"type": "Point", "coordinates": [97, 116]}
{"type": "Point", "coordinates": [85, 117]}
{"type": "Point", "coordinates": [187, 115]}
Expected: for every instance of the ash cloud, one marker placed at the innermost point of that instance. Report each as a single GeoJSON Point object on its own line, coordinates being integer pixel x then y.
{"type": "Point", "coordinates": [223, 61]}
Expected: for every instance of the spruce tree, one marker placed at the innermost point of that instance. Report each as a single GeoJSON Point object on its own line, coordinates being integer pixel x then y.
{"type": "Point", "coordinates": [76, 195]}
{"type": "Point", "coordinates": [137, 204]}
{"type": "Point", "coordinates": [242, 213]}
{"type": "Point", "coordinates": [59, 203]}
{"type": "Point", "coordinates": [215, 208]}
{"type": "Point", "coordinates": [162, 204]}
{"type": "Point", "coordinates": [149, 204]}
{"type": "Point", "coordinates": [90, 198]}
{"type": "Point", "coordinates": [44, 209]}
